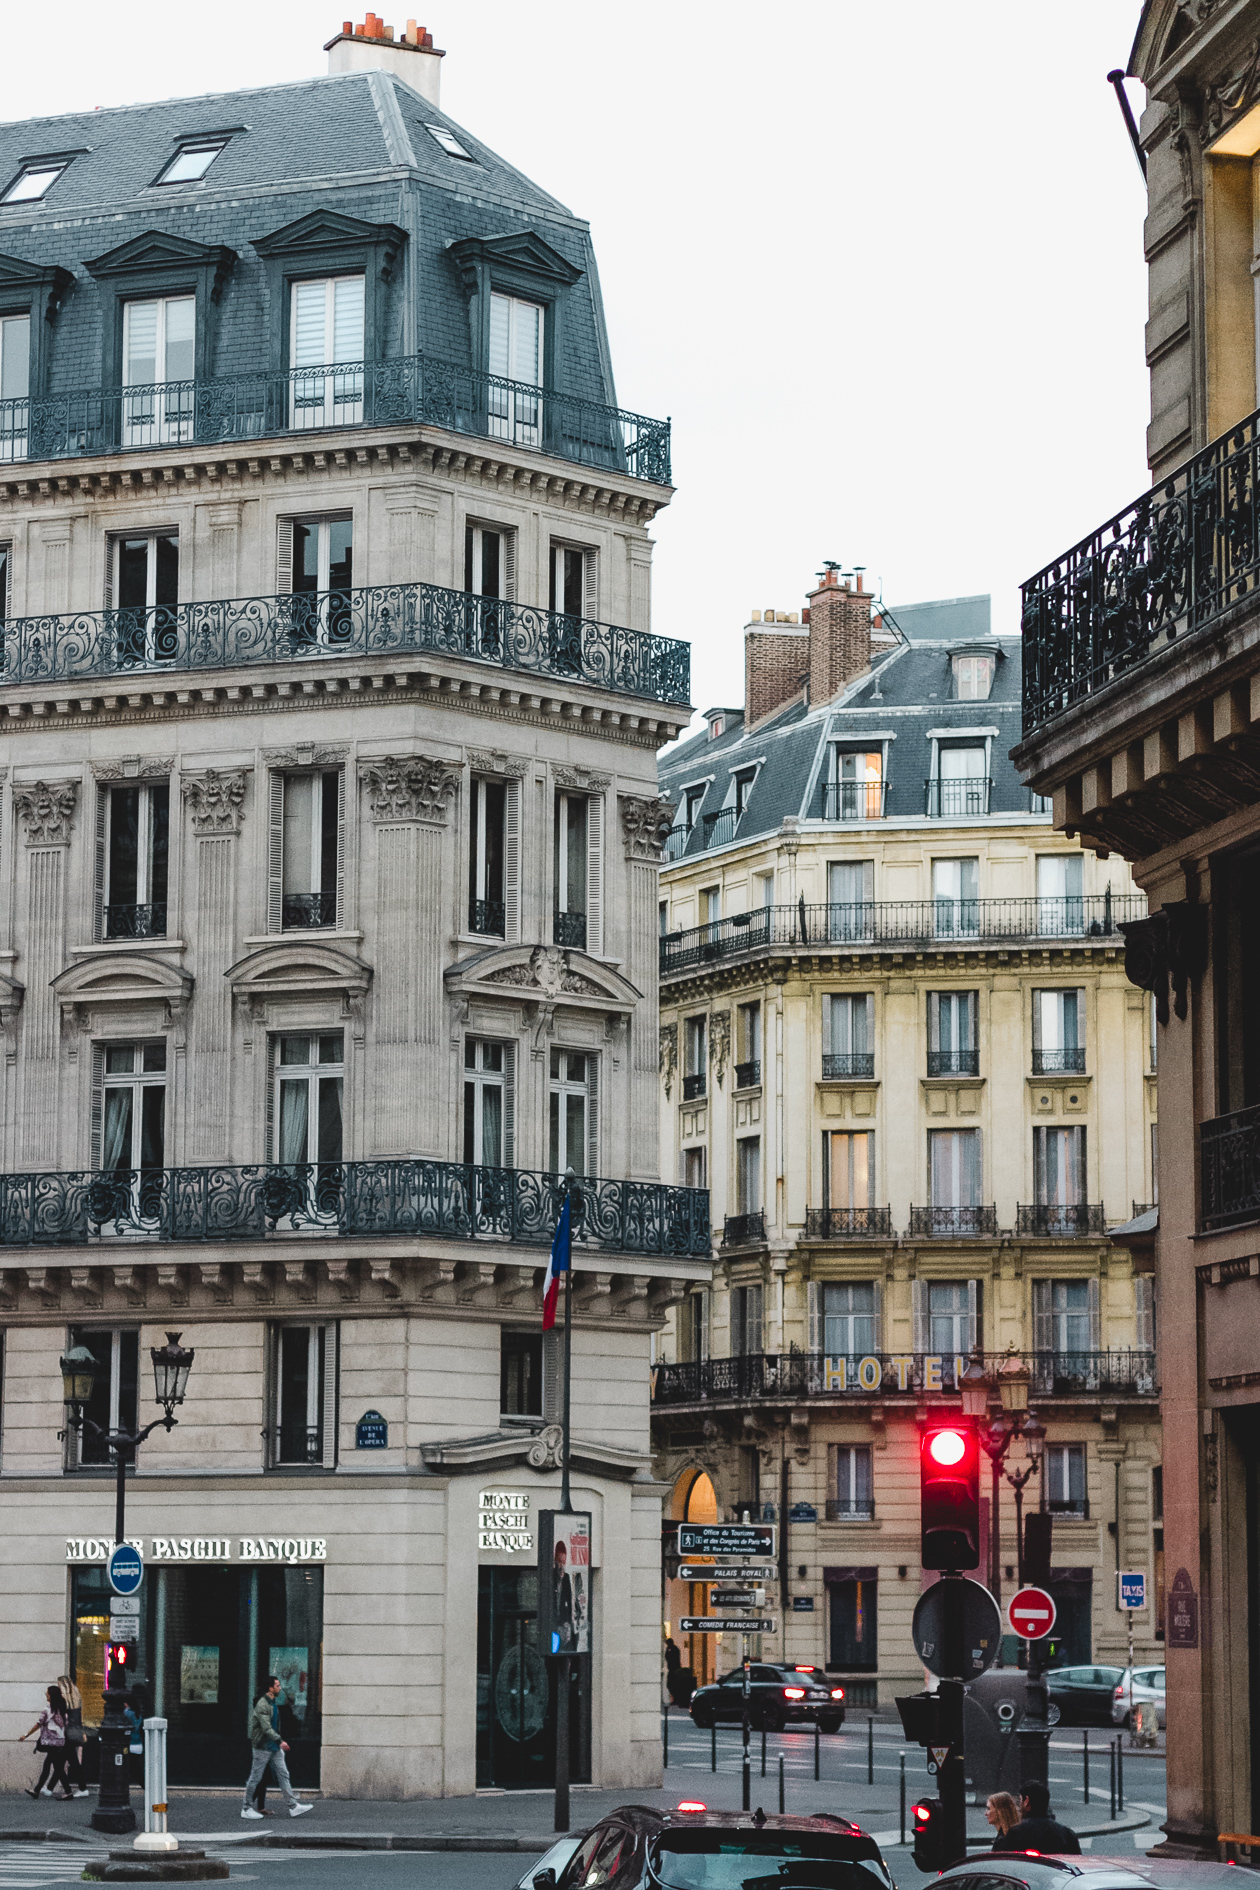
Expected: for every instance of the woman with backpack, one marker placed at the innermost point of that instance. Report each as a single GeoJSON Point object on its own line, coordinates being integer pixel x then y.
{"type": "Point", "coordinates": [51, 1727]}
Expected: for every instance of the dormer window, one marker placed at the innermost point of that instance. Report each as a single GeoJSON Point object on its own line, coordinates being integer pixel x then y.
{"type": "Point", "coordinates": [449, 143]}
{"type": "Point", "coordinates": [191, 161]}
{"type": "Point", "coordinates": [34, 181]}
{"type": "Point", "coordinates": [717, 727]}
{"type": "Point", "coordinates": [973, 678]}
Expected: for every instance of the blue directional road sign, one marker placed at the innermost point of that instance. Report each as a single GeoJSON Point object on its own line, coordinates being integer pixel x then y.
{"type": "Point", "coordinates": [1132, 1583]}
{"type": "Point", "coordinates": [125, 1569]}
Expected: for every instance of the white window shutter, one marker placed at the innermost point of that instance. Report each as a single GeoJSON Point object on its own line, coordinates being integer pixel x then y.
{"type": "Point", "coordinates": [98, 903]}
{"type": "Point", "coordinates": [1043, 1319]}
{"type": "Point", "coordinates": [1095, 1316]}
{"type": "Point", "coordinates": [1144, 1296]}
{"type": "Point", "coordinates": [592, 1115]}
{"type": "Point", "coordinates": [1036, 1020]}
{"type": "Point", "coordinates": [98, 1101]}
{"type": "Point", "coordinates": [595, 874]}
{"type": "Point", "coordinates": [552, 1373]}
{"type": "Point", "coordinates": [817, 1337]}
{"type": "Point", "coordinates": [275, 853]}
{"type": "Point", "coordinates": [284, 556]}
{"type": "Point", "coordinates": [828, 1001]}
{"type": "Point", "coordinates": [590, 583]}
{"type": "Point", "coordinates": [704, 1306]}
{"type": "Point", "coordinates": [341, 845]}
{"type": "Point", "coordinates": [108, 588]}
{"type": "Point", "coordinates": [509, 1105]}
{"type": "Point", "coordinates": [309, 338]}
{"type": "Point", "coordinates": [508, 542]}
{"type": "Point", "coordinates": [878, 1286]}
{"type": "Point", "coordinates": [973, 1315]}
{"type": "Point", "coordinates": [920, 1333]}
{"type": "Point", "coordinates": [755, 1333]}
{"type": "Point", "coordinates": [328, 1338]}
{"type": "Point", "coordinates": [512, 862]}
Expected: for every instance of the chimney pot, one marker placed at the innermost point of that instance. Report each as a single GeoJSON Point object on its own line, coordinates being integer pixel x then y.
{"type": "Point", "coordinates": [839, 621]}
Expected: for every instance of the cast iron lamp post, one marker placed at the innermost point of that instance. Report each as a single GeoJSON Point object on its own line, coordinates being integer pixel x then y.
{"type": "Point", "coordinates": [79, 1373]}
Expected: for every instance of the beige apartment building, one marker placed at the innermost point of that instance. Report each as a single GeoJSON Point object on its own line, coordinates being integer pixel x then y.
{"type": "Point", "coordinates": [329, 830]}
{"type": "Point", "coordinates": [899, 1048]}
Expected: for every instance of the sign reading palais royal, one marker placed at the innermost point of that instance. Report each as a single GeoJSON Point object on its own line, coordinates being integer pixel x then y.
{"type": "Point", "coordinates": [204, 1548]}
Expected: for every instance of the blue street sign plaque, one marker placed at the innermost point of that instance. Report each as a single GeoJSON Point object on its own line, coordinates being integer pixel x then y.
{"type": "Point", "coordinates": [1132, 1587]}
{"type": "Point", "coordinates": [125, 1569]}
{"type": "Point", "coordinates": [371, 1432]}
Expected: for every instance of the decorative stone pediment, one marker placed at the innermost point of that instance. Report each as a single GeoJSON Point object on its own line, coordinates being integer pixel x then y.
{"type": "Point", "coordinates": [584, 780]}
{"type": "Point", "coordinates": [299, 968]}
{"type": "Point", "coordinates": [215, 801]}
{"type": "Point", "coordinates": [307, 755]}
{"type": "Point", "coordinates": [409, 787]}
{"type": "Point", "coordinates": [535, 1450]}
{"type": "Point", "coordinates": [522, 252]}
{"type": "Point", "coordinates": [134, 768]}
{"type": "Point", "coordinates": [645, 825]}
{"type": "Point", "coordinates": [325, 230]}
{"type": "Point", "coordinates": [46, 811]}
{"type": "Point", "coordinates": [511, 767]}
{"type": "Point", "coordinates": [544, 974]}
{"type": "Point", "coordinates": [108, 980]}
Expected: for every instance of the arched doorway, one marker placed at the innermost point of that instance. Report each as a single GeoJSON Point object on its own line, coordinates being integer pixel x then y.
{"type": "Point", "coordinates": [693, 1499]}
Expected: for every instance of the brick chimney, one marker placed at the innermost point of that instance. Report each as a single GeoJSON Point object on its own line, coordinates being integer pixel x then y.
{"type": "Point", "coordinates": [839, 634]}
{"type": "Point", "coordinates": [775, 663]}
{"type": "Point", "coordinates": [372, 47]}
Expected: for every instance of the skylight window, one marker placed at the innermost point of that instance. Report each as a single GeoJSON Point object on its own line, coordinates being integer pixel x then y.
{"type": "Point", "coordinates": [191, 161]}
{"type": "Point", "coordinates": [33, 182]}
{"type": "Point", "coordinates": [449, 142]}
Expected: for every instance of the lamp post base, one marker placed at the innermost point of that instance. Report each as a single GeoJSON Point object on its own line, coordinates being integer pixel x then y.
{"type": "Point", "coordinates": [117, 1822]}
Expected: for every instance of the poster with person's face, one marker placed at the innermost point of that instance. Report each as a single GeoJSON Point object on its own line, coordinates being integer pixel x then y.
{"type": "Point", "coordinates": [291, 1667]}
{"type": "Point", "coordinates": [564, 1581]}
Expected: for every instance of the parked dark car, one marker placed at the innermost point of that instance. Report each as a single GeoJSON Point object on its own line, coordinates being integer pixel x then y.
{"type": "Point", "coordinates": [1084, 1695]}
{"type": "Point", "coordinates": [691, 1848]}
{"type": "Point", "coordinates": [778, 1696]}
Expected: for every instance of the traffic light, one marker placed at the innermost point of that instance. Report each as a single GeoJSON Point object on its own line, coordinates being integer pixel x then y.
{"type": "Point", "coordinates": [929, 1835]}
{"type": "Point", "coordinates": [949, 1487]}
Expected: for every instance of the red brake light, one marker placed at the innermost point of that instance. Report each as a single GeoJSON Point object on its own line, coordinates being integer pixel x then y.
{"type": "Point", "coordinates": [1119, 1692]}
{"type": "Point", "coordinates": [800, 1669]}
{"type": "Point", "coordinates": [691, 1804]}
{"type": "Point", "coordinates": [794, 1693]}
{"type": "Point", "coordinates": [947, 1447]}
{"type": "Point", "coordinates": [837, 1693]}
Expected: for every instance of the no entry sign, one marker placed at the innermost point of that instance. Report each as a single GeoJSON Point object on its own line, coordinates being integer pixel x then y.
{"type": "Point", "coordinates": [1031, 1613]}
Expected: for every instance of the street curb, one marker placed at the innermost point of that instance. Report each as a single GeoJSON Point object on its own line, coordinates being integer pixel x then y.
{"type": "Point", "coordinates": [318, 1841]}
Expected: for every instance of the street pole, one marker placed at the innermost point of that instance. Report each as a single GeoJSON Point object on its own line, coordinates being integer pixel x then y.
{"type": "Point", "coordinates": [113, 1811]}
{"type": "Point", "coordinates": [995, 1534]}
{"type": "Point", "coordinates": [747, 1761]}
{"type": "Point", "coordinates": [561, 1819]}
{"type": "Point", "coordinates": [566, 1503]}
{"type": "Point", "coordinates": [951, 1774]}
{"type": "Point", "coordinates": [1019, 1532]}
{"type": "Point", "coordinates": [1034, 1728]}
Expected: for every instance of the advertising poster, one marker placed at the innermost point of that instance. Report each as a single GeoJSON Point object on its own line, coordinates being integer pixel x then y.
{"type": "Point", "coordinates": [292, 1669]}
{"type": "Point", "coordinates": [199, 1676]}
{"type": "Point", "coordinates": [564, 1581]}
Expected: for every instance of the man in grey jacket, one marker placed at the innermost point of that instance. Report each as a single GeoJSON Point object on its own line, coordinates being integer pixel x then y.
{"type": "Point", "coordinates": [269, 1750]}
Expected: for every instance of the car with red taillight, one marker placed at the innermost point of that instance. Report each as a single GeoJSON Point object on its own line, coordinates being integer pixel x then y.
{"type": "Point", "coordinates": [778, 1695]}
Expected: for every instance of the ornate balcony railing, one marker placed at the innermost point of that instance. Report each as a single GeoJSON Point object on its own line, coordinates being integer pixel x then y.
{"type": "Point", "coordinates": [392, 620]}
{"type": "Point", "coordinates": [952, 1223]}
{"type": "Point", "coordinates": [741, 1230]}
{"type": "Point", "coordinates": [308, 912]}
{"type": "Point", "coordinates": [837, 1064]}
{"type": "Point", "coordinates": [963, 798]}
{"type": "Point", "coordinates": [694, 1086]}
{"type": "Point", "coordinates": [853, 800]}
{"type": "Point", "coordinates": [1229, 1169]}
{"type": "Point", "coordinates": [1166, 565]}
{"type": "Point", "coordinates": [123, 921]}
{"type": "Point", "coordinates": [893, 923]}
{"type": "Point", "coordinates": [1061, 1221]}
{"type": "Point", "coordinates": [569, 928]}
{"type": "Point", "coordinates": [441, 1200]}
{"type": "Point", "coordinates": [297, 1443]}
{"type": "Point", "coordinates": [720, 827]}
{"type": "Point", "coordinates": [488, 916]}
{"type": "Point", "coordinates": [769, 1375]}
{"type": "Point", "coordinates": [1069, 1062]}
{"type": "Point", "coordinates": [953, 1062]}
{"type": "Point", "coordinates": [851, 1223]}
{"type": "Point", "coordinates": [415, 389]}
{"type": "Point", "coordinates": [748, 1073]}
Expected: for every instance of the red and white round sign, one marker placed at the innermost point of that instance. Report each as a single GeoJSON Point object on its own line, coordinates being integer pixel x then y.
{"type": "Point", "coordinates": [1031, 1613]}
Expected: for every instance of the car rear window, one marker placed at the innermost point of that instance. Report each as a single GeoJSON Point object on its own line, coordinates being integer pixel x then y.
{"type": "Point", "coordinates": [762, 1860]}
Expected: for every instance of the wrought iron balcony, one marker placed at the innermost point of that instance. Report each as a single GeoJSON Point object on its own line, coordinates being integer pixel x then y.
{"type": "Point", "coordinates": [877, 1375]}
{"type": "Point", "coordinates": [1229, 1169]}
{"type": "Point", "coordinates": [952, 1223]}
{"type": "Point", "coordinates": [718, 828]}
{"type": "Point", "coordinates": [1060, 1220]}
{"type": "Point", "coordinates": [1168, 564]}
{"type": "Point", "coordinates": [850, 1223]}
{"type": "Point", "coordinates": [307, 912]}
{"type": "Point", "coordinates": [488, 916]}
{"type": "Point", "coordinates": [428, 1199]}
{"type": "Point", "coordinates": [123, 921]}
{"type": "Point", "coordinates": [853, 800]}
{"type": "Point", "coordinates": [1143, 1207]}
{"type": "Point", "coordinates": [953, 1062]}
{"type": "Point", "coordinates": [294, 1443]}
{"type": "Point", "coordinates": [1067, 1062]}
{"type": "Point", "coordinates": [837, 1064]}
{"type": "Point", "coordinates": [693, 1086]}
{"type": "Point", "coordinates": [965, 798]}
{"type": "Point", "coordinates": [392, 620]}
{"type": "Point", "coordinates": [414, 389]}
{"type": "Point", "coordinates": [895, 923]}
{"type": "Point", "coordinates": [748, 1073]}
{"type": "Point", "coordinates": [742, 1230]}
{"type": "Point", "coordinates": [569, 928]}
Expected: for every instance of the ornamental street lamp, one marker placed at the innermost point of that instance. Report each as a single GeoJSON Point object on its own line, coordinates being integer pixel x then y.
{"type": "Point", "coordinates": [80, 1372]}
{"type": "Point", "coordinates": [1011, 1381]}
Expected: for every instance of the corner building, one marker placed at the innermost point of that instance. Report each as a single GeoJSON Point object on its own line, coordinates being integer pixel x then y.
{"type": "Point", "coordinates": [898, 1045]}
{"type": "Point", "coordinates": [329, 711]}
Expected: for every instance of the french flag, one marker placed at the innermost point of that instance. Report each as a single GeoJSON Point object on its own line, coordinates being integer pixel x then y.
{"type": "Point", "coordinates": [556, 1265]}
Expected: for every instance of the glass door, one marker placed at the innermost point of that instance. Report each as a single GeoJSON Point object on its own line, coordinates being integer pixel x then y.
{"type": "Point", "coordinates": [158, 365]}
{"type": "Point", "coordinates": [515, 1690]}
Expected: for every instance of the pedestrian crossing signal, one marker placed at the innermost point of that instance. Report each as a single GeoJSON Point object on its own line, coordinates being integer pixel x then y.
{"type": "Point", "coordinates": [949, 1493]}
{"type": "Point", "coordinates": [929, 1835]}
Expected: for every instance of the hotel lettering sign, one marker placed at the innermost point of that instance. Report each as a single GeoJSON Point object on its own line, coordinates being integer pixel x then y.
{"type": "Point", "coordinates": [291, 1549]}
{"type": "Point", "coordinates": [842, 1372]}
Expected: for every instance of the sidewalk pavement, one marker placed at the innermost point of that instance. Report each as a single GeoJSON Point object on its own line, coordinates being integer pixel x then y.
{"type": "Point", "coordinates": [485, 1822]}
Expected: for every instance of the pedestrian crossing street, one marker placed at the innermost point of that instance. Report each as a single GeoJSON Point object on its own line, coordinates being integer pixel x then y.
{"type": "Point", "coordinates": [28, 1866]}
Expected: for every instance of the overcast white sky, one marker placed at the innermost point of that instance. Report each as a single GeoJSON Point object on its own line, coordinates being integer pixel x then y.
{"type": "Point", "coordinates": [882, 263]}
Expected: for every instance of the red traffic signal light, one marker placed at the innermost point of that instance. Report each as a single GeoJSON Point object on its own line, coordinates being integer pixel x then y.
{"type": "Point", "coordinates": [949, 1488]}
{"type": "Point", "coordinates": [929, 1835]}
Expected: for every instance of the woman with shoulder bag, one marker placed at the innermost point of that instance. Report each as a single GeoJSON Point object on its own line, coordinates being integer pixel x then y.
{"type": "Point", "coordinates": [51, 1727]}
{"type": "Point", "coordinates": [76, 1737]}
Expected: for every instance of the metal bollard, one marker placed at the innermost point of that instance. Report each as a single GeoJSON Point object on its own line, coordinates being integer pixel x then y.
{"type": "Point", "coordinates": [870, 1751]}
{"type": "Point", "coordinates": [155, 1836]}
{"type": "Point", "coordinates": [1085, 1761]}
{"type": "Point", "coordinates": [1120, 1773]}
{"type": "Point", "coordinates": [1111, 1750]}
{"type": "Point", "coordinates": [665, 1737]}
{"type": "Point", "coordinates": [781, 1784]}
{"type": "Point", "coordinates": [902, 1838]}
{"type": "Point", "coordinates": [817, 1751]}
{"type": "Point", "coordinates": [713, 1747]}
{"type": "Point", "coordinates": [763, 1752]}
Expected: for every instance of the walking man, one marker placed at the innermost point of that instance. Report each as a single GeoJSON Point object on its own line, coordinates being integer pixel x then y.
{"type": "Point", "coordinates": [269, 1750]}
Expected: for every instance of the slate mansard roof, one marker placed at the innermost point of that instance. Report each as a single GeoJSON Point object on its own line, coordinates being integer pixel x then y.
{"type": "Point", "coordinates": [354, 144]}
{"type": "Point", "coordinates": [905, 701]}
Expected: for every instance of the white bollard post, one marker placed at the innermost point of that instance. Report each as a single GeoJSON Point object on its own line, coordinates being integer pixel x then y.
{"type": "Point", "coordinates": [155, 1836]}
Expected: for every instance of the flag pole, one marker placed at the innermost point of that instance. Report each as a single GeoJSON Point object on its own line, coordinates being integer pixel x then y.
{"type": "Point", "coordinates": [566, 1503]}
